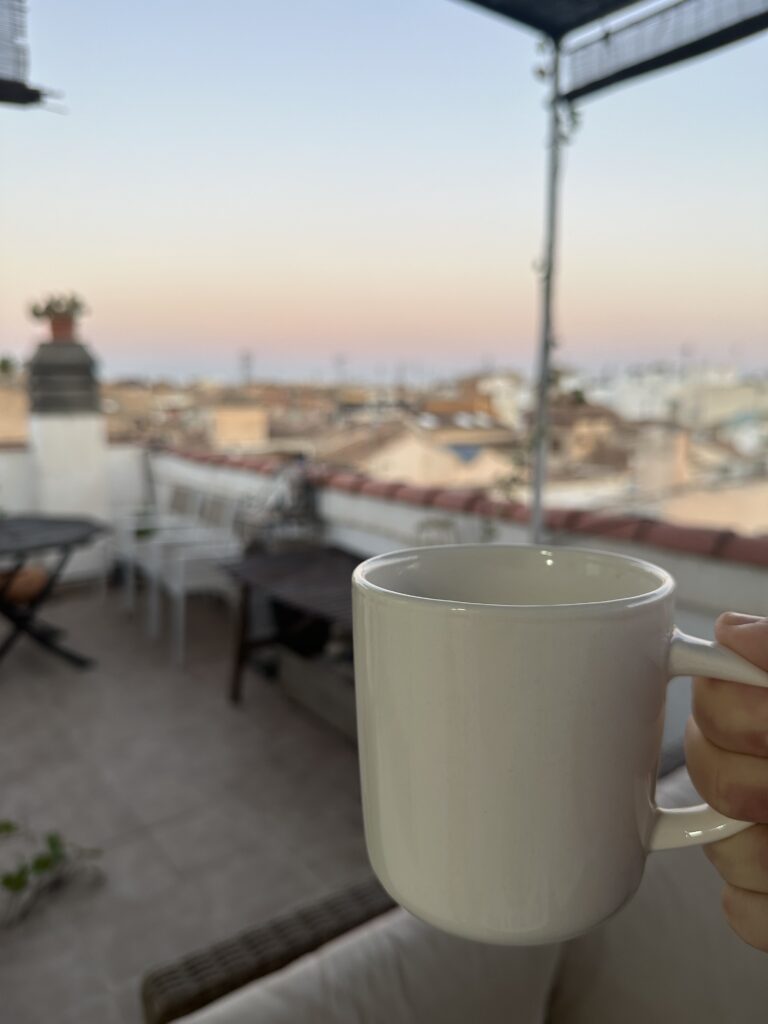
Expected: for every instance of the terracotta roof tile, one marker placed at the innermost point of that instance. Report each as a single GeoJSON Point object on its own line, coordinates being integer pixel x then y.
{"type": "Point", "coordinates": [516, 512]}
{"type": "Point", "coordinates": [623, 527]}
{"type": "Point", "coordinates": [257, 463]}
{"type": "Point", "coordinates": [460, 500]}
{"type": "Point", "coordinates": [490, 507]}
{"type": "Point", "coordinates": [562, 519]}
{"type": "Point", "coordinates": [750, 550]}
{"type": "Point", "coordinates": [319, 475]}
{"type": "Point", "coordinates": [693, 540]}
{"type": "Point", "coordinates": [381, 488]}
{"type": "Point", "coordinates": [416, 495]}
{"type": "Point", "coordinates": [346, 482]}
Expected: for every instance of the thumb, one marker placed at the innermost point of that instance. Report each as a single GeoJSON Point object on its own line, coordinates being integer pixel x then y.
{"type": "Point", "coordinates": [747, 635]}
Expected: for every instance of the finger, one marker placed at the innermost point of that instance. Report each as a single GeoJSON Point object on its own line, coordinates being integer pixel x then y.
{"type": "Point", "coordinates": [731, 715]}
{"type": "Point", "coordinates": [734, 784]}
{"type": "Point", "coordinates": [745, 634]}
{"type": "Point", "coordinates": [742, 860]}
{"type": "Point", "coordinates": [747, 914]}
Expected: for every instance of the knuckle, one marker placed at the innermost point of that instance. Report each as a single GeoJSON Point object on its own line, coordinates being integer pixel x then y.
{"type": "Point", "coordinates": [732, 716]}
{"type": "Point", "coordinates": [700, 759]}
{"type": "Point", "coordinates": [715, 855]}
{"type": "Point", "coordinates": [742, 860]}
{"type": "Point", "coordinates": [710, 711]}
{"type": "Point", "coordinates": [724, 620]}
{"type": "Point", "coordinates": [743, 801]}
{"type": "Point", "coordinates": [746, 914]}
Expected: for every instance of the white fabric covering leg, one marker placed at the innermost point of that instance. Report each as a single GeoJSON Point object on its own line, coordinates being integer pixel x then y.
{"type": "Point", "coordinates": [668, 956]}
{"type": "Point", "coordinates": [397, 970]}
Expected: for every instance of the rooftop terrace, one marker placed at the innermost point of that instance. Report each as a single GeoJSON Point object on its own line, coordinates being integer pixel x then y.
{"type": "Point", "coordinates": [213, 818]}
{"type": "Point", "coordinates": [210, 818]}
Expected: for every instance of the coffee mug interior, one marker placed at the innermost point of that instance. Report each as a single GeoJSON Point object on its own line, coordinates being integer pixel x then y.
{"type": "Point", "coordinates": [512, 575]}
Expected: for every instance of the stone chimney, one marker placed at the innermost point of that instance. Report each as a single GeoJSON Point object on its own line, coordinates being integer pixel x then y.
{"type": "Point", "coordinates": [67, 433]}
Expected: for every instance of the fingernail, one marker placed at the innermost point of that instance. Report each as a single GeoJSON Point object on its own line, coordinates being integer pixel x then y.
{"type": "Point", "coordinates": [740, 619]}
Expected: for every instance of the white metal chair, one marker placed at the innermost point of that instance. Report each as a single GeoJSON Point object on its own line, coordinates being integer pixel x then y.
{"type": "Point", "coordinates": [188, 562]}
{"type": "Point", "coordinates": [180, 569]}
{"type": "Point", "coordinates": [136, 529]}
{"type": "Point", "coordinates": [436, 530]}
{"type": "Point", "coordinates": [214, 524]}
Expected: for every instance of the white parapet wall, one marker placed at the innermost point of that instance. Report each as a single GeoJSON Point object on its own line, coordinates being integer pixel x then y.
{"type": "Point", "coordinates": [368, 525]}
{"type": "Point", "coordinates": [127, 478]}
{"type": "Point", "coordinates": [167, 470]}
{"type": "Point", "coordinates": [74, 473]}
{"type": "Point", "coordinates": [16, 480]}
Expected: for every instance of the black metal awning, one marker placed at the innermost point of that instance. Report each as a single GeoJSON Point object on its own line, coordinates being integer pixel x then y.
{"type": "Point", "coordinates": [555, 18]}
{"type": "Point", "coordinates": [19, 93]}
{"type": "Point", "coordinates": [618, 41]}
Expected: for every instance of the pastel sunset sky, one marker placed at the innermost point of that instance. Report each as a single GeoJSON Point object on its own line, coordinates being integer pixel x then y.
{"type": "Point", "coordinates": [314, 178]}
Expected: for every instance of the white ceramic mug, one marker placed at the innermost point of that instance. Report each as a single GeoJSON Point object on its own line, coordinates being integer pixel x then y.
{"type": "Point", "coordinates": [510, 711]}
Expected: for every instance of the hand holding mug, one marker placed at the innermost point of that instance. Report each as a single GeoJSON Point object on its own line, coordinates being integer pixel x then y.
{"type": "Point", "coordinates": [727, 754]}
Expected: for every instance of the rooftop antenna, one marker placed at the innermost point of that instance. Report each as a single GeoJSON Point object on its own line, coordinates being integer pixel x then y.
{"type": "Point", "coordinates": [246, 368]}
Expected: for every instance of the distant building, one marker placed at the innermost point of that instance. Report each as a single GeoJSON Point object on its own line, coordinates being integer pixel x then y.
{"type": "Point", "coordinates": [233, 427]}
{"type": "Point", "coordinates": [580, 432]}
{"type": "Point", "coordinates": [510, 397]}
{"type": "Point", "coordinates": [661, 458]}
{"type": "Point", "coordinates": [695, 397]}
{"type": "Point", "coordinates": [428, 452]}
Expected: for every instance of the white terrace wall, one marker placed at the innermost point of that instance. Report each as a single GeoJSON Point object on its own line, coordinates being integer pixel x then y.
{"type": "Point", "coordinates": [168, 470]}
{"type": "Point", "coordinates": [371, 525]}
{"type": "Point", "coordinates": [127, 476]}
{"type": "Point", "coordinates": [16, 481]}
{"type": "Point", "coordinates": [126, 485]}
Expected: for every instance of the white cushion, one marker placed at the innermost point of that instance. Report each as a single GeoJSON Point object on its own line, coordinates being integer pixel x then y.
{"type": "Point", "coordinates": [397, 970]}
{"type": "Point", "coordinates": [668, 956]}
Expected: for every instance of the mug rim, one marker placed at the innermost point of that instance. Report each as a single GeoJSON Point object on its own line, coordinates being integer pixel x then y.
{"type": "Point", "coordinates": [665, 588]}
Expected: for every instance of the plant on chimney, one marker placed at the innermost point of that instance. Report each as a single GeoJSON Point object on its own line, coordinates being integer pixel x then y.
{"type": "Point", "coordinates": [58, 306]}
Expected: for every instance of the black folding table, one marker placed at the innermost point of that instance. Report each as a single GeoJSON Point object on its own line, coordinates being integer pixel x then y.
{"type": "Point", "coordinates": [21, 538]}
{"type": "Point", "coordinates": [315, 580]}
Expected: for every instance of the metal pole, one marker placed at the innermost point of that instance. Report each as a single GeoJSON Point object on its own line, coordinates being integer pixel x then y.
{"type": "Point", "coordinates": [540, 433]}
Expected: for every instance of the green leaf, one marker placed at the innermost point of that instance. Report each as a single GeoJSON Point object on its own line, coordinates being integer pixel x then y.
{"type": "Point", "coordinates": [43, 862]}
{"type": "Point", "coordinates": [55, 846]}
{"type": "Point", "coordinates": [8, 828]}
{"type": "Point", "coordinates": [16, 881]}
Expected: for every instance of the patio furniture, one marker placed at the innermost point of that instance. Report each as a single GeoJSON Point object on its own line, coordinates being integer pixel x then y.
{"type": "Point", "coordinates": [21, 538]}
{"type": "Point", "coordinates": [309, 588]}
{"type": "Point", "coordinates": [350, 959]}
{"type": "Point", "coordinates": [181, 557]}
{"type": "Point", "coordinates": [136, 528]}
{"type": "Point", "coordinates": [195, 981]}
{"type": "Point", "coordinates": [184, 558]}
{"type": "Point", "coordinates": [437, 530]}
{"type": "Point", "coordinates": [178, 567]}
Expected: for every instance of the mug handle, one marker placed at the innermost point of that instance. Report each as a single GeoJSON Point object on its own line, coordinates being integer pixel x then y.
{"type": "Point", "coordinates": [694, 826]}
